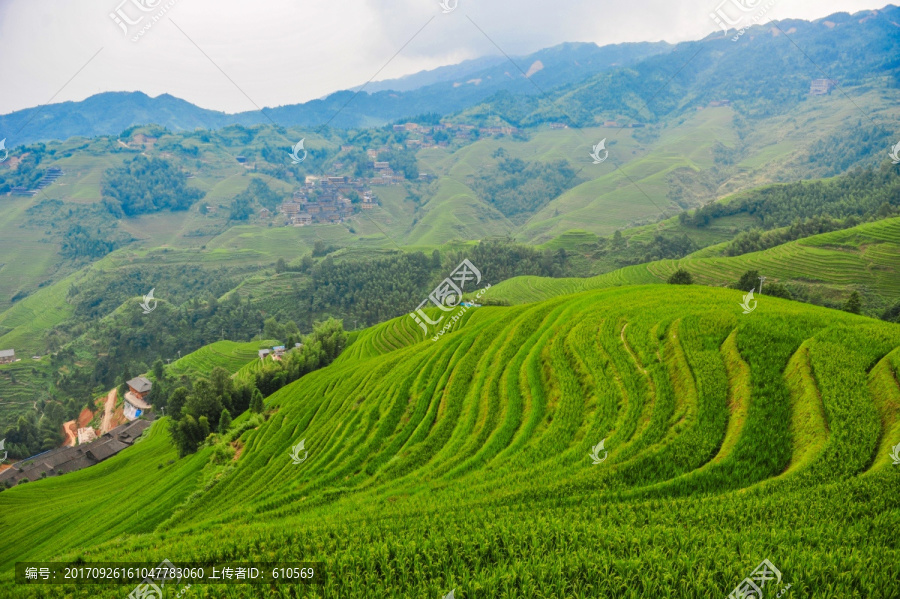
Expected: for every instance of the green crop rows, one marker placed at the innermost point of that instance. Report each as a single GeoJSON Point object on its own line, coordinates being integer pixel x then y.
{"type": "Point", "coordinates": [463, 463]}
{"type": "Point", "coordinates": [230, 355]}
{"type": "Point", "coordinates": [865, 256]}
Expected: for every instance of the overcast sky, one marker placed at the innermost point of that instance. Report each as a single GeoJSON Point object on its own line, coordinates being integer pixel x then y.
{"type": "Point", "coordinates": [288, 51]}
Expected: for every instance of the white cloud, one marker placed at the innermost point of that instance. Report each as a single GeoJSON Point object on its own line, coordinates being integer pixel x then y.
{"type": "Point", "coordinates": [287, 51]}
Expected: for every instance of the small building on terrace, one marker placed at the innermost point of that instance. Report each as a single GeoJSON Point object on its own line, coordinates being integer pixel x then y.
{"type": "Point", "coordinates": [135, 404]}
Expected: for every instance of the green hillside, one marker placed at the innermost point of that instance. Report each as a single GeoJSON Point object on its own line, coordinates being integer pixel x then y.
{"type": "Point", "coordinates": [230, 355]}
{"type": "Point", "coordinates": [864, 258]}
{"type": "Point", "coordinates": [463, 463]}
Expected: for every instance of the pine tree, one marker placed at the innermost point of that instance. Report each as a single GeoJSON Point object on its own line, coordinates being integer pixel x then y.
{"type": "Point", "coordinates": [224, 421]}
{"type": "Point", "coordinates": [256, 402]}
{"type": "Point", "coordinates": [854, 304]}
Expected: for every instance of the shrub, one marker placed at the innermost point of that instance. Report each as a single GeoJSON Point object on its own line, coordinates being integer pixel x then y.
{"type": "Point", "coordinates": [778, 290]}
{"type": "Point", "coordinates": [681, 277]}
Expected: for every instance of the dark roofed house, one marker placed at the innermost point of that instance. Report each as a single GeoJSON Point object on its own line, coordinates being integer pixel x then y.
{"type": "Point", "coordinates": [100, 450]}
{"type": "Point", "coordinates": [128, 433]}
{"type": "Point", "coordinates": [69, 459]}
{"type": "Point", "coordinates": [135, 405]}
{"type": "Point", "coordinates": [140, 386]}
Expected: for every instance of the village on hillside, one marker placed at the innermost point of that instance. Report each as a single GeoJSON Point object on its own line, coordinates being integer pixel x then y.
{"type": "Point", "coordinates": [90, 441]}
{"type": "Point", "coordinates": [98, 435]}
{"type": "Point", "coordinates": [325, 200]}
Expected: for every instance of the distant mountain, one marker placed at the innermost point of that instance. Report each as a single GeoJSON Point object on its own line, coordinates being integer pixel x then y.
{"type": "Point", "coordinates": [445, 90]}
{"type": "Point", "coordinates": [551, 67]}
{"type": "Point", "coordinates": [451, 73]}
{"type": "Point", "coordinates": [764, 71]}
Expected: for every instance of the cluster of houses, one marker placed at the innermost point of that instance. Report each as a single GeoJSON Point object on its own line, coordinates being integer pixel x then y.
{"type": "Point", "coordinates": [69, 459]}
{"type": "Point", "coordinates": [90, 448]}
{"type": "Point", "coordinates": [276, 353]}
{"type": "Point", "coordinates": [325, 200]}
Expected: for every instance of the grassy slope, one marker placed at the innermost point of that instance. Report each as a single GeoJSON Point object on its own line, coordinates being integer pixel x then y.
{"type": "Point", "coordinates": [22, 384]}
{"type": "Point", "coordinates": [867, 256]}
{"type": "Point", "coordinates": [463, 463]}
{"type": "Point", "coordinates": [630, 186]}
{"type": "Point", "coordinates": [230, 355]}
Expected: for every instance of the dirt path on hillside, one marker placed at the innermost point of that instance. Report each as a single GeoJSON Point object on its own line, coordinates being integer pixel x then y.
{"type": "Point", "coordinates": [71, 433]}
{"type": "Point", "coordinates": [108, 413]}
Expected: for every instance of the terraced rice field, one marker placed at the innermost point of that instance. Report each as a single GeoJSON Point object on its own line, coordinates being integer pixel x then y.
{"type": "Point", "coordinates": [463, 464]}
{"type": "Point", "coordinates": [230, 355]}
{"type": "Point", "coordinates": [22, 384]}
{"type": "Point", "coordinates": [867, 256]}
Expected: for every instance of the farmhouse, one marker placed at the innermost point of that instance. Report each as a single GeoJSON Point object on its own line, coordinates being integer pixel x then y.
{"type": "Point", "coordinates": [70, 459]}
{"type": "Point", "coordinates": [138, 389]}
{"type": "Point", "coordinates": [7, 356]}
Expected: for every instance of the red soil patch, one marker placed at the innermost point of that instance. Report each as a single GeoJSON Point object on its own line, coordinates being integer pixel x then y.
{"type": "Point", "coordinates": [85, 418]}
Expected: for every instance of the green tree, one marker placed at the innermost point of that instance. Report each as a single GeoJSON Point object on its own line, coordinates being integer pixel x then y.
{"type": "Point", "coordinates": [176, 402]}
{"type": "Point", "coordinates": [681, 277]}
{"type": "Point", "coordinates": [187, 434]}
{"type": "Point", "coordinates": [778, 290]}
{"type": "Point", "coordinates": [224, 421]}
{"type": "Point", "coordinates": [159, 372]}
{"type": "Point", "coordinates": [223, 386]}
{"type": "Point", "coordinates": [853, 304]}
{"type": "Point", "coordinates": [203, 402]}
{"type": "Point", "coordinates": [749, 280]}
{"type": "Point", "coordinates": [256, 403]}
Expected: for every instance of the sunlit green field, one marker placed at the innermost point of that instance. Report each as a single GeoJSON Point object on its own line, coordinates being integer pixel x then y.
{"type": "Point", "coordinates": [464, 464]}
{"type": "Point", "coordinates": [864, 257]}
